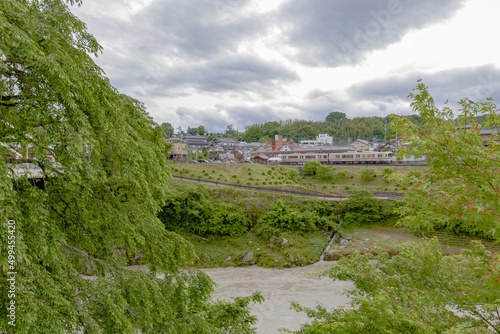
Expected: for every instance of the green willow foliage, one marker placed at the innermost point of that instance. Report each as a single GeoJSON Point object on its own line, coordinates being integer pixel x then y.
{"type": "Point", "coordinates": [460, 189]}
{"type": "Point", "coordinates": [100, 197]}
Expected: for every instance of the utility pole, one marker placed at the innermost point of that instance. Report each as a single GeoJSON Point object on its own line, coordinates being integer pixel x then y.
{"type": "Point", "coordinates": [180, 132]}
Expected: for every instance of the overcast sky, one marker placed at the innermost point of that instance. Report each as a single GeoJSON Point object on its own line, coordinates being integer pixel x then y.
{"type": "Point", "coordinates": [239, 62]}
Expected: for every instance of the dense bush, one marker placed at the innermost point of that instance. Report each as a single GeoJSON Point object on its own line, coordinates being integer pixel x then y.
{"type": "Point", "coordinates": [326, 173]}
{"type": "Point", "coordinates": [285, 217]}
{"type": "Point", "coordinates": [224, 220]}
{"type": "Point", "coordinates": [192, 210]}
{"type": "Point", "coordinates": [311, 167]}
{"type": "Point", "coordinates": [367, 174]}
{"type": "Point", "coordinates": [293, 174]}
{"type": "Point", "coordinates": [387, 172]}
{"type": "Point", "coordinates": [362, 208]}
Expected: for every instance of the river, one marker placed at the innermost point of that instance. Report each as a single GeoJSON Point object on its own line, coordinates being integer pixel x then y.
{"type": "Point", "coordinates": [279, 287]}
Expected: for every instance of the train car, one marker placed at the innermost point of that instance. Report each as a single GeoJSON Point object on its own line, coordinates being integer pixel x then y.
{"type": "Point", "coordinates": [361, 158]}
{"type": "Point", "coordinates": [338, 158]}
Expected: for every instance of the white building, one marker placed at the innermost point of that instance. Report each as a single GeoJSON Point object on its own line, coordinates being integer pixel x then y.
{"type": "Point", "coordinates": [324, 139]}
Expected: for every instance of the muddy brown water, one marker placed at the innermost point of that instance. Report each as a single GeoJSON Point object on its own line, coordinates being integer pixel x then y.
{"type": "Point", "coordinates": [279, 287]}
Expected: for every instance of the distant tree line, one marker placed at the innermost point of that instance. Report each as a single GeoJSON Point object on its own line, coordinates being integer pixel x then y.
{"type": "Point", "coordinates": [336, 124]}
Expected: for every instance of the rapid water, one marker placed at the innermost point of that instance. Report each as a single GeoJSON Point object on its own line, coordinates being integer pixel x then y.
{"type": "Point", "coordinates": [279, 287]}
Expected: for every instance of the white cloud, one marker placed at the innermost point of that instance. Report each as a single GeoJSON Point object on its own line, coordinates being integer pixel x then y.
{"type": "Point", "coordinates": [220, 62]}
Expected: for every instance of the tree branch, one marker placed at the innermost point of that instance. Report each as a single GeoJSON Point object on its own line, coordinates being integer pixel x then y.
{"type": "Point", "coordinates": [86, 255]}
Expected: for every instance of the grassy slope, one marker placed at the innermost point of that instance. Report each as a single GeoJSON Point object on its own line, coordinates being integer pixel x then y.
{"type": "Point", "coordinates": [265, 176]}
{"type": "Point", "coordinates": [306, 248]}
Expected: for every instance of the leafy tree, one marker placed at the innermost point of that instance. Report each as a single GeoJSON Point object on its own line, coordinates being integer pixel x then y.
{"type": "Point", "coordinates": [253, 133]}
{"type": "Point", "coordinates": [460, 189]}
{"type": "Point", "coordinates": [201, 130]}
{"type": "Point", "coordinates": [335, 116]}
{"type": "Point", "coordinates": [326, 173]}
{"type": "Point", "coordinates": [192, 210]}
{"type": "Point", "coordinates": [168, 129]}
{"type": "Point", "coordinates": [362, 208]}
{"type": "Point", "coordinates": [231, 131]}
{"type": "Point", "coordinates": [418, 290]}
{"type": "Point", "coordinates": [192, 131]}
{"type": "Point", "coordinates": [270, 129]}
{"type": "Point", "coordinates": [311, 167]}
{"type": "Point", "coordinates": [99, 198]}
{"type": "Point", "coordinates": [283, 217]}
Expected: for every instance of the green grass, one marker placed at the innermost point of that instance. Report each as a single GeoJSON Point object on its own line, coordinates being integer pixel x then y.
{"type": "Point", "coordinates": [306, 249]}
{"type": "Point", "coordinates": [266, 176]}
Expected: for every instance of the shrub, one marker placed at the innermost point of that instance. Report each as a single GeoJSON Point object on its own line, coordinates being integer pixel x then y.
{"type": "Point", "coordinates": [367, 174]}
{"type": "Point", "coordinates": [387, 172]}
{"type": "Point", "coordinates": [362, 208]}
{"type": "Point", "coordinates": [341, 174]}
{"type": "Point", "coordinates": [311, 167]}
{"type": "Point", "coordinates": [293, 174]}
{"type": "Point", "coordinates": [283, 217]}
{"type": "Point", "coordinates": [325, 173]}
{"type": "Point", "coordinates": [224, 220]}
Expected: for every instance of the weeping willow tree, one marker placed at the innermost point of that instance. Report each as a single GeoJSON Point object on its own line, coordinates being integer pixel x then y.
{"type": "Point", "coordinates": [101, 161]}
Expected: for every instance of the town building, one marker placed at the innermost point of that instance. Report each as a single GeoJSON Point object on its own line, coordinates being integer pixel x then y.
{"type": "Point", "coordinates": [361, 145]}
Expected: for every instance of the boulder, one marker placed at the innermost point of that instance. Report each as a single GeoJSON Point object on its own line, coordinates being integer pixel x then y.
{"type": "Point", "coordinates": [285, 242]}
{"type": "Point", "coordinates": [205, 258]}
{"type": "Point", "coordinates": [246, 257]}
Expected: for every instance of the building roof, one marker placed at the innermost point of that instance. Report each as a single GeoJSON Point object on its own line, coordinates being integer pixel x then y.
{"type": "Point", "coordinates": [362, 141]}
{"type": "Point", "coordinates": [224, 140]}
{"type": "Point", "coordinates": [378, 141]}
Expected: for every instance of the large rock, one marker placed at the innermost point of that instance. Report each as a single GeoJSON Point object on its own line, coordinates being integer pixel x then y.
{"type": "Point", "coordinates": [205, 258]}
{"type": "Point", "coordinates": [247, 257]}
{"type": "Point", "coordinates": [285, 242]}
{"type": "Point", "coordinates": [343, 241]}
